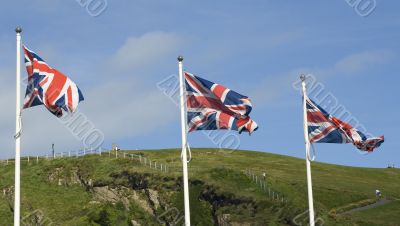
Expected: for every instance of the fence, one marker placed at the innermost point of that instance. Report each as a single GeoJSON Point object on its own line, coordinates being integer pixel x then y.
{"type": "Point", "coordinates": [261, 181]}
{"type": "Point", "coordinates": [145, 161]}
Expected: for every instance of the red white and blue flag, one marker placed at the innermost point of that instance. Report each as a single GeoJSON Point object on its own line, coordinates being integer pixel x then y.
{"type": "Point", "coordinates": [211, 106]}
{"type": "Point", "coordinates": [324, 128]}
{"type": "Point", "coordinates": [49, 87]}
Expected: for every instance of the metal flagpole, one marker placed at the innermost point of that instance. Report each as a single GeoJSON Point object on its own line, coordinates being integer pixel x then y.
{"type": "Point", "coordinates": [17, 188]}
{"type": "Point", "coordinates": [184, 142]}
{"type": "Point", "coordinates": [307, 142]}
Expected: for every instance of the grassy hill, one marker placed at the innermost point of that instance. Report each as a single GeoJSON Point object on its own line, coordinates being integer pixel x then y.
{"type": "Point", "coordinates": [105, 190]}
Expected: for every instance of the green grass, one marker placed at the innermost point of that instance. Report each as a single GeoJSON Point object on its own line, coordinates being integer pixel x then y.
{"type": "Point", "coordinates": [219, 187]}
{"type": "Point", "coordinates": [388, 214]}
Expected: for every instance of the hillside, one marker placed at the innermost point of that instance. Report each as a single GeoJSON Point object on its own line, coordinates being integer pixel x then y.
{"type": "Point", "coordinates": [227, 188]}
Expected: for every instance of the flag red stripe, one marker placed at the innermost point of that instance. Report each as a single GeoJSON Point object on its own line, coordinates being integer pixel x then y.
{"type": "Point", "coordinates": [223, 120]}
{"type": "Point", "coordinates": [55, 87]}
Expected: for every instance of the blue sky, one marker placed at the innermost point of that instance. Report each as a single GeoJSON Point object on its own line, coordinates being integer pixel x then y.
{"type": "Point", "coordinates": [257, 49]}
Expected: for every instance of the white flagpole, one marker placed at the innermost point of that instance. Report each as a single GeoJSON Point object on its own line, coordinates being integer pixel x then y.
{"type": "Point", "coordinates": [184, 141]}
{"type": "Point", "coordinates": [307, 142]}
{"type": "Point", "coordinates": [17, 188]}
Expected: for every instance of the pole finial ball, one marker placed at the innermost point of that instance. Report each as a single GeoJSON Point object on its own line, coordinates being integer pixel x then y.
{"type": "Point", "coordinates": [302, 77]}
{"type": "Point", "coordinates": [180, 58]}
{"type": "Point", "coordinates": [18, 29]}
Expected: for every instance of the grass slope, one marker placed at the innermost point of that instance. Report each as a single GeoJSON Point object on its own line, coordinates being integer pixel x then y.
{"type": "Point", "coordinates": [219, 188]}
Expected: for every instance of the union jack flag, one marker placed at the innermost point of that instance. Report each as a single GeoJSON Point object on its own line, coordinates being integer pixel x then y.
{"type": "Point", "coordinates": [49, 87]}
{"type": "Point", "coordinates": [212, 107]}
{"type": "Point", "coordinates": [324, 128]}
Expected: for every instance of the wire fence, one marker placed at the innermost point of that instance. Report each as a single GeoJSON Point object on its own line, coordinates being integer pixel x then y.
{"type": "Point", "coordinates": [142, 160]}
{"type": "Point", "coordinates": [261, 181]}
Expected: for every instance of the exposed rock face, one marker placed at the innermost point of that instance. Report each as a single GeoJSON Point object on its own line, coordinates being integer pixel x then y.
{"type": "Point", "coordinates": [127, 196]}
{"type": "Point", "coordinates": [75, 178]}
{"type": "Point", "coordinates": [64, 177]}
{"type": "Point", "coordinates": [153, 196]}
{"type": "Point", "coordinates": [55, 175]}
{"type": "Point", "coordinates": [143, 203]}
{"type": "Point", "coordinates": [113, 195]}
{"type": "Point", "coordinates": [135, 223]}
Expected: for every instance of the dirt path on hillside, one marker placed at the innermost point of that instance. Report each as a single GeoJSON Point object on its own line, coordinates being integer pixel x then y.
{"type": "Point", "coordinates": [379, 203]}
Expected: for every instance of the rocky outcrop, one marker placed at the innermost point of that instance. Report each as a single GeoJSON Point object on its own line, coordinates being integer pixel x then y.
{"type": "Point", "coordinates": [135, 223]}
{"type": "Point", "coordinates": [107, 194]}
{"type": "Point", "coordinates": [128, 196]}
{"type": "Point", "coordinates": [153, 197]}
{"type": "Point", "coordinates": [69, 177]}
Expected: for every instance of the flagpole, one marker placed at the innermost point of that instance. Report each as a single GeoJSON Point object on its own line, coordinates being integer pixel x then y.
{"type": "Point", "coordinates": [184, 141]}
{"type": "Point", "coordinates": [307, 142]}
{"type": "Point", "coordinates": [17, 187]}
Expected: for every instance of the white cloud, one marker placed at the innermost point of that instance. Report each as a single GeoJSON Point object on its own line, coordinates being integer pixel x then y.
{"type": "Point", "coordinates": [147, 49]}
{"type": "Point", "coordinates": [274, 87]}
{"type": "Point", "coordinates": [361, 61]}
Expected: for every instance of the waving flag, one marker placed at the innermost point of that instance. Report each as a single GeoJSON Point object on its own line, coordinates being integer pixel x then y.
{"type": "Point", "coordinates": [212, 107]}
{"type": "Point", "coordinates": [324, 128]}
{"type": "Point", "coordinates": [49, 87]}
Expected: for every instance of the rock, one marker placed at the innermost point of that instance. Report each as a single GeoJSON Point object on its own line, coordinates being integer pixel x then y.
{"type": "Point", "coordinates": [144, 204]}
{"type": "Point", "coordinates": [135, 223]}
{"type": "Point", "coordinates": [55, 174]}
{"type": "Point", "coordinates": [106, 194]}
{"type": "Point", "coordinates": [153, 196]}
{"type": "Point", "coordinates": [74, 178]}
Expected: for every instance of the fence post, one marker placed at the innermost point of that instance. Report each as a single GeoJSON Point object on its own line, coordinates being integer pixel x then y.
{"type": "Point", "coordinates": [140, 158]}
{"type": "Point", "coordinates": [28, 158]}
{"type": "Point", "coordinates": [62, 154]}
{"type": "Point", "coordinates": [69, 153]}
{"type": "Point", "coordinates": [150, 163]}
{"type": "Point", "coordinates": [116, 154]}
{"type": "Point", "coordinates": [37, 159]}
{"type": "Point", "coordinates": [84, 151]}
{"type": "Point", "coordinates": [124, 154]}
{"type": "Point", "coordinates": [7, 162]}
{"type": "Point", "coordinates": [100, 152]}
